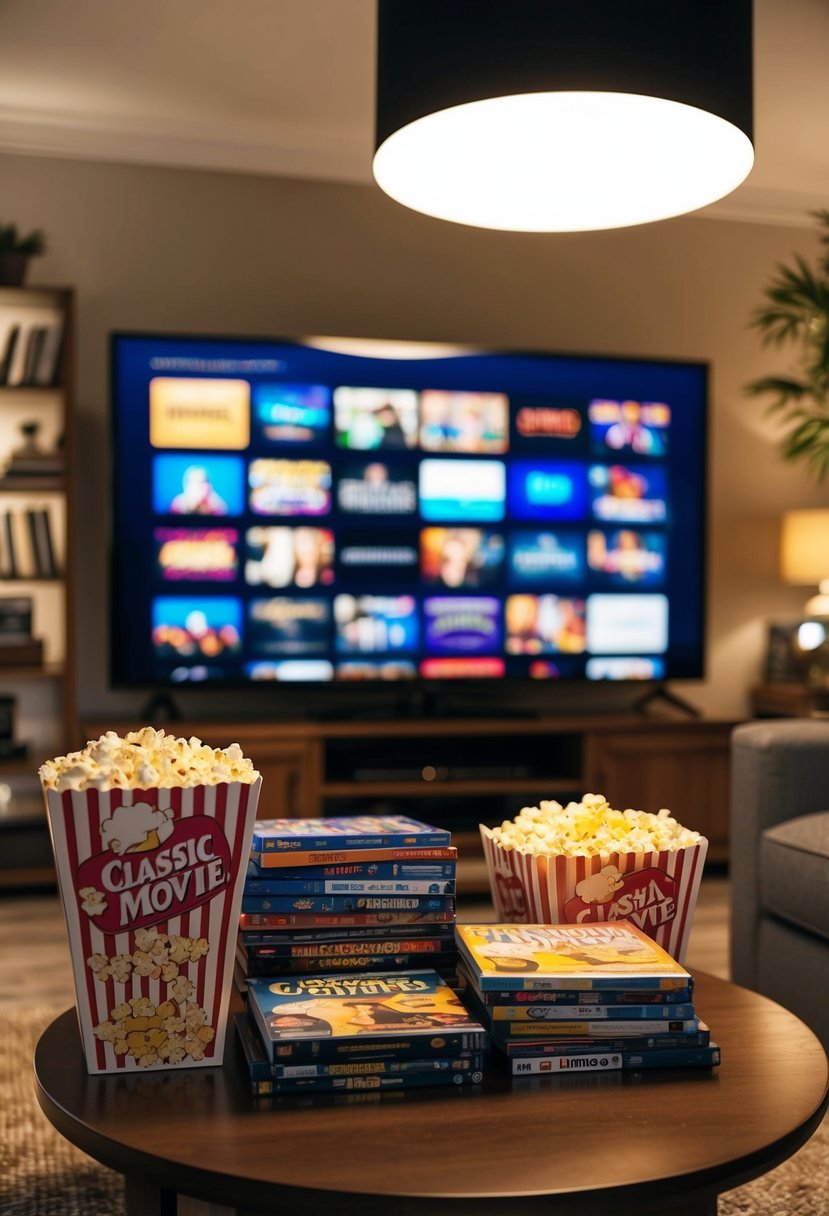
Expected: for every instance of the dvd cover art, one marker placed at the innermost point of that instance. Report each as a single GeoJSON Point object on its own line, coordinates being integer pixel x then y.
{"type": "Point", "coordinates": [345, 832]}
{"type": "Point", "coordinates": [504, 957]}
{"type": "Point", "coordinates": [351, 1007]}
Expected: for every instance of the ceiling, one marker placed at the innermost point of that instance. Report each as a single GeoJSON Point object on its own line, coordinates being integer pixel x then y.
{"type": "Point", "coordinates": [286, 87]}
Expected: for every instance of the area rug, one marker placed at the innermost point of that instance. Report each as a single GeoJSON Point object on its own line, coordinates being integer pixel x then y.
{"type": "Point", "coordinates": [41, 1174]}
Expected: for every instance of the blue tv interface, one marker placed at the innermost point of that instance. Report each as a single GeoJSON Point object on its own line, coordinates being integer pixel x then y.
{"type": "Point", "coordinates": [322, 511]}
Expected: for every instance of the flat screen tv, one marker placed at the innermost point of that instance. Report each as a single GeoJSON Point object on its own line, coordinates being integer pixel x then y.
{"type": "Point", "coordinates": [328, 513]}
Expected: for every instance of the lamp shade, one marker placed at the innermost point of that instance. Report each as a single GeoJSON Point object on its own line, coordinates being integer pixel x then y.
{"type": "Point", "coordinates": [540, 115]}
{"type": "Point", "coordinates": [804, 547]}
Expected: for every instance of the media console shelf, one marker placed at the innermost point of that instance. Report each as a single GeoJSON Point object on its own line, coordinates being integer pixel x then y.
{"type": "Point", "coordinates": [461, 772]}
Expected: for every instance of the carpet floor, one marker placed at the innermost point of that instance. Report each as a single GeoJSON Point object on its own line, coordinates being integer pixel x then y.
{"type": "Point", "coordinates": [41, 1174]}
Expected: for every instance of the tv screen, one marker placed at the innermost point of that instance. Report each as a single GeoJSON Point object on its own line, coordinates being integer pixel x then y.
{"type": "Point", "coordinates": [324, 512]}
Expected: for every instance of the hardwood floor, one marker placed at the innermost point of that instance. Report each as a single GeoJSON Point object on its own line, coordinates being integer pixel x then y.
{"type": "Point", "coordinates": [36, 968]}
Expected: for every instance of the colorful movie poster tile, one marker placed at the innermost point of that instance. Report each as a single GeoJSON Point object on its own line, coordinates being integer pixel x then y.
{"type": "Point", "coordinates": [199, 414]}
{"type": "Point", "coordinates": [461, 557]}
{"type": "Point", "coordinates": [462, 624]}
{"type": "Point", "coordinates": [547, 489]}
{"type": "Point", "coordinates": [462, 491]}
{"type": "Point", "coordinates": [638, 428]}
{"type": "Point", "coordinates": [356, 670]}
{"type": "Point", "coordinates": [490, 668]}
{"type": "Point", "coordinates": [625, 557]}
{"type": "Point", "coordinates": [374, 624]}
{"type": "Point", "coordinates": [376, 487]}
{"type": "Point", "coordinates": [627, 624]}
{"type": "Point", "coordinates": [537, 419]}
{"type": "Point", "coordinates": [629, 494]}
{"type": "Point", "coordinates": [289, 557]}
{"type": "Point", "coordinates": [209, 555]}
{"type": "Point", "coordinates": [540, 624]}
{"type": "Point", "coordinates": [387, 554]}
{"type": "Point", "coordinates": [305, 671]}
{"type": "Point", "coordinates": [371, 419]}
{"type": "Point", "coordinates": [200, 485]}
{"type": "Point", "coordinates": [196, 628]}
{"type": "Point", "coordinates": [560, 668]}
{"type": "Point", "coordinates": [464, 422]}
{"type": "Point", "coordinates": [290, 487]}
{"type": "Point", "coordinates": [546, 557]}
{"type": "Point", "coordinates": [289, 625]}
{"type": "Point", "coordinates": [292, 413]}
{"type": "Point", "coordinates": [633, 667]}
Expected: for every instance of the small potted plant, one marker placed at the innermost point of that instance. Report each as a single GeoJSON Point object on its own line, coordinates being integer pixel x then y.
{"type": "Point", "coordinates": [15, 251]}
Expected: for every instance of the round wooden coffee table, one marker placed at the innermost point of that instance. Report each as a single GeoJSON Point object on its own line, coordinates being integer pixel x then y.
{"type": "Point", "coordinates": [649, 1142]}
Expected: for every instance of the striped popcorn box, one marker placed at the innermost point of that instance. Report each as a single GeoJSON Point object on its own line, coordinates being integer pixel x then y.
{"type": "Point", "coordinates": [656, 890]}
{"type": "Point", "coordinates": [151, 884]}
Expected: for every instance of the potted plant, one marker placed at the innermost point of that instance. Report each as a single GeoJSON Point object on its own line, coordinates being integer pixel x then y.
{"type": "Point", "coordinates": [15, 251]}
{"type": "Point", "coordinates": [795, 312]}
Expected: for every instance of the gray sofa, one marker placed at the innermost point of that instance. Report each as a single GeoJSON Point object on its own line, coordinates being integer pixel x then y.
{"type": "Point", "coordinates": [779, 866]}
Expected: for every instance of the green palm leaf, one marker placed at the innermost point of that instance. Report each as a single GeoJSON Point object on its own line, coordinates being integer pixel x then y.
{"type": "Point", "coordinates": [795, 313]}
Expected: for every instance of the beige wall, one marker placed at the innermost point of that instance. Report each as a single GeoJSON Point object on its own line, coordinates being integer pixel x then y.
{"type": "Point", "coordinates": [228, 253]}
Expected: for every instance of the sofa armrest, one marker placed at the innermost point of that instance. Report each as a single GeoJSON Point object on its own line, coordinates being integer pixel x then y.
{"type": "Point", "coordinates": [779, 770]}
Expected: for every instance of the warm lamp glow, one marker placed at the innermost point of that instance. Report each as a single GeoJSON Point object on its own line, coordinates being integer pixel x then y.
{"type": "Point", "coordinates": [563, 161]}
{"type": "Point", "coordinates": [804, 555]}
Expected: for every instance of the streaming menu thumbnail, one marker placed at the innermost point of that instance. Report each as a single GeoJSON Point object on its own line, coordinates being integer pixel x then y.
{"type": "Point", "coordinates": [640, 428]}
{"type": "Point", "coordinates": [202, 485]}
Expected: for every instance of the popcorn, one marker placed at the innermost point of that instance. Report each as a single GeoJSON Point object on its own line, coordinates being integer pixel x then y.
{"type": "Point", "coordinates": [146, 759]}
{"type": "Point", "coordinates": [151, 836]}
{"type": "Point", "coordinates": [586, 862]}
{"type": "Point", "coordinates": [592, 828]}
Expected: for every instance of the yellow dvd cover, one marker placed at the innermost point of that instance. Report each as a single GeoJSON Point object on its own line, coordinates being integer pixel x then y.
{"type": "Point", "coordinates": [596, 955]}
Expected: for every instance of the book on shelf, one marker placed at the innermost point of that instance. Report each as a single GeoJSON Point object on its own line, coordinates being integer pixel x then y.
{"type": "Point", "coordinates": [15, 619]}
{"type": "Point", "coordinates": [27, 545]}
{"type": "Point", "coordinates": [30, 346]}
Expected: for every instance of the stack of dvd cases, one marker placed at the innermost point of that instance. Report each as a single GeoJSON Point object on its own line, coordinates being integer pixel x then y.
{"type": "Point", "coordinates": [588, 997]}
{"type": "Point", "coordinates": [357, 893]}
{"type": "Point", "coordinates": [347, 1033]}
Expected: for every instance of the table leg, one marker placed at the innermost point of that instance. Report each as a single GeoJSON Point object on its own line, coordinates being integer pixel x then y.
{"type": "Point", "coordinates": [201, 1207]}
{"type": "Point", "coordinates": [142, 1198]}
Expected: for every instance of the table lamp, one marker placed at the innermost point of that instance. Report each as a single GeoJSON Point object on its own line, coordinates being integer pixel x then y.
{"type": "Point", "coordinates": [804, 555]}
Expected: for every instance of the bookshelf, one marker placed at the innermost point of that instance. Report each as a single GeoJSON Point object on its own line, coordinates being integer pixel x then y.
{"type": "Point", "coordinates": [36, 410]}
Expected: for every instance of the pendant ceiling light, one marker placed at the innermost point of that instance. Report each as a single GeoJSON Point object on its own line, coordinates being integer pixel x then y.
{"type": "Point", "coordinates": [563, 115]}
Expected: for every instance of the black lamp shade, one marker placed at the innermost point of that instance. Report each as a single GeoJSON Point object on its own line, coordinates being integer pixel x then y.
{"type": "Point", "coordinates": [437, 55]}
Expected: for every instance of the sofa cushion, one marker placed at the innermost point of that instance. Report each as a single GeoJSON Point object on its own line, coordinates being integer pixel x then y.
{"type": "Point", "coordinates": [794, 872]}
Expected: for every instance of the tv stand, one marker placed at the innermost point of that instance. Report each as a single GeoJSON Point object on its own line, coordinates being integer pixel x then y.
{"type": "Point", "coordinates": [661, 692]}
{"type": "Point", "coordinates": [432, 705]}
{"type": "Point", "coordinates": [161, 709]}
{"type": "Point", "coordinates": [468, 769]}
